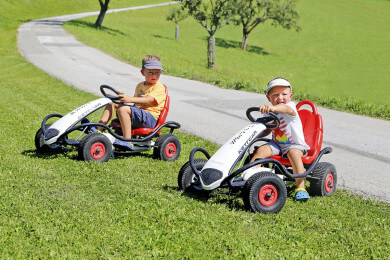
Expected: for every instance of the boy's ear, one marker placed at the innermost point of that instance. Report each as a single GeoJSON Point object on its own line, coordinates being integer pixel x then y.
{"type": "Point", "coordinates": [268, 98]}
{"type": "Point", "coordinates": [142, 72]}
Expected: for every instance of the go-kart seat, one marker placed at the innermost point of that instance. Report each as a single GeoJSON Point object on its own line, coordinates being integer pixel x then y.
{"type": "Point", "coordinates": [160, 121]}
{"type": "Point", "coordinates": [312, 130]}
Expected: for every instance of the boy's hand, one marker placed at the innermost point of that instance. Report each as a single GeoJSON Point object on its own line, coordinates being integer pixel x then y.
{"type": "Point", "coordinates": [265, 109]}
{"type": "Point", "coordinates": [123, 98]}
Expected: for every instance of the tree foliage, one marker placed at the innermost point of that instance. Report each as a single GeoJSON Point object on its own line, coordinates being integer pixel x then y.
{"type": "Point", "coordinates": [212, 15]}
{"type": "Point", "coordinates": [250, 13]}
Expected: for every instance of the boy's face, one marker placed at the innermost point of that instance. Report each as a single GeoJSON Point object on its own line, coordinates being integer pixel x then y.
{"type": "Point", "coordinates": [279, 95]}
{"type": "Point", "coordinates": [151, 75]}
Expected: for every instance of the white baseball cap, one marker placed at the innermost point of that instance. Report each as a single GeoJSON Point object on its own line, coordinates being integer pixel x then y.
{"type": "Point", "coordinates": [278, 82]}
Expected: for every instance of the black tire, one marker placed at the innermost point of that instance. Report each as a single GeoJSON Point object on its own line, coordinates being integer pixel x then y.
{"type": "Point", "coordinates": [41, 146]}
{"type": "Point", "coordinates": [264, 192]}
{"type": "Point", "coordinates": [167, 148]}
{"type": "Point", "coordinates": [187, 179]}
{"type": "Point", "coordinates": [95, 147]}
{"type": "Point", "coordinates": [324, 180]}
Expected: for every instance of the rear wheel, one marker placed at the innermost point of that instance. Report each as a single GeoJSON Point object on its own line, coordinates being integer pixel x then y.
{"type": "Point", "coordinates": [95, 147]}
{"type": "Point", "coordinates": [40, 144]}
{"type": "Point", "coordinates": [167, 147]}
{"type": "Point", "coordinates": [324, 179]}
{"type": "Point", "coordinates": [264, 192]}
{"type": "Point", "coordinates": [187, 179]}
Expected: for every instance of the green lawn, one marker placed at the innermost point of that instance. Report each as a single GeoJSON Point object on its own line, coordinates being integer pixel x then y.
{"type": "Point", "coordinates": [54, 206]}
{"type": "Point", "coordinates": [340, 58]}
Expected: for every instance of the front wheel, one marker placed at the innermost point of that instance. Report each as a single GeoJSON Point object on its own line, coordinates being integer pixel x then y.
{"type": "Point", "coordinates": [95, 147]}
{"type": "Point", "coordinates": [324, 179]}
{"type": "Point", "coordinates": [264, 192]}
{"type": "Point", "coordinates": [40, 144]}
{"type": "Point", "coordinates": [167, 148]}
{"type": "Point", "coordinates": [187, 179]}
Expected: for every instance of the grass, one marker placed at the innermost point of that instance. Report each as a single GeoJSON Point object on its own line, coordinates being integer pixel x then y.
{"type": "Point", "coordinates": [54, 206]}
{"type": "Point", "coordinates": [338, 59]}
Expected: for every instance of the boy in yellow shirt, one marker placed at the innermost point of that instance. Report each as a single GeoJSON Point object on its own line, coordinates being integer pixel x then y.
{"type": "Point", "coordinates": [149, 99]}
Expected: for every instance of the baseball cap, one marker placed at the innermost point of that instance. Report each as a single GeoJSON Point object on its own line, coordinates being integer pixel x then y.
{"type": "Point", "coordinates": [276, 82]}
{"type": "Point", "coordinates": [152, 65]}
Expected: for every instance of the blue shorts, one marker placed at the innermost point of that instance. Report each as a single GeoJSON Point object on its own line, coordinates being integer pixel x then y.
{"type": "Point", "coordinates": [283, 149]}
{"type": "Point", "coordinates": [141, 118]}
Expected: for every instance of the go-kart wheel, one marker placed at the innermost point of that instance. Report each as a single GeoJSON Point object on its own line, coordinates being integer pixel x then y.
{"type": "Point", "coordinates": [167, 148]}
{"type": "Point", "coordinates": [40, 144]}
{"type": "Point", "coordinates": [95, 147]}
{"type": "Point", "coordinates": [264, 192]}
{"type": "Point", "coordinates": [187, 179]}
{"type": "Point", "coordinates": [324, 180]}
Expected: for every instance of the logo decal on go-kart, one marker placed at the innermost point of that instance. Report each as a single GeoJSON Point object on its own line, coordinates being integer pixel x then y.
{"type": "Point", "coordinates": [239, 135]}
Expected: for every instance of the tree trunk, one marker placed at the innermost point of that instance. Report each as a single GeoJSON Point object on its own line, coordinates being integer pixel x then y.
{"type": "Point", "coordinates": [211, 52]}
{"type": "Point", "coordinates": [244, 41]}
{"type": "Point", "coordinates": [103, 10]}
{"type": "Point", "coordinates": [177, 32]}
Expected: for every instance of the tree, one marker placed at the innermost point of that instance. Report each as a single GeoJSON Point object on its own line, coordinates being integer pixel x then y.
{"type": "Point", "coordinates": [176, 14]}
{"type": "Point", "coordinates": [212, 15]}
{"type": "Point", "coordinates": [103, 10]}
{"type": "Point", "coordinates": [250, 13]}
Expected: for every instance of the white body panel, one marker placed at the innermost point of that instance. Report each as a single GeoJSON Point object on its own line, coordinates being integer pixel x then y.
{"type": "Point", "coordinates": [252, 171]}
{"type": "Point", "coordinates": [71, 119]}
{"type": "Point", "coordinates": [227, 155]}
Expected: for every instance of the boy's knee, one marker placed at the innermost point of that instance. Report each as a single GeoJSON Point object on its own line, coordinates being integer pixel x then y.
{"type": "Point", "coordinates": [295, 152]}
{"type": "Point", "coordinates": [124, 110]}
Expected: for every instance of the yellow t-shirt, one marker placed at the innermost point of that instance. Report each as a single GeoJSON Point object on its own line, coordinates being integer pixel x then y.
{"type": "Point", "coordinates": [157, 91]}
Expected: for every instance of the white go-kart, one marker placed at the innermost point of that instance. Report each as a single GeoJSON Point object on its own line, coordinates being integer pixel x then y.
{"type": "Point", "coordinates": [263, 187]}
{"type": "Point", "coordinates": [94, 146]}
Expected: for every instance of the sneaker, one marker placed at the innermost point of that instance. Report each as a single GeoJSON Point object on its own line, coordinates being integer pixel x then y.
{"type": "Point", "coordinates": [123, 145]}
{"type": "Point", "coordinates": [301, 195]}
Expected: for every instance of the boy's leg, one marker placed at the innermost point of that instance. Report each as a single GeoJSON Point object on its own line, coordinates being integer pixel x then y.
{"type": "Point", "coordinates": [295, 157]}
{"type": "Point", "coordinates": [124, 114]}
{"type": "Point", "coordinates": [262, 152]}
{"type": "Point", "coordinates": [107, 114]}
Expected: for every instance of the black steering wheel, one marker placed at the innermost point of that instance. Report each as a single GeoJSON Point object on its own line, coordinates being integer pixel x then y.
{"type": "Point", "coordinates": [114, 98]}
{"type": "Point", "coordinates": [264, 120]}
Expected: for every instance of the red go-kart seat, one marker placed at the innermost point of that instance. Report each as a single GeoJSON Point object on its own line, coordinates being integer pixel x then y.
{"type": "Point", "coordinates": [312, 130]}
{"type": "Point", "coordinates": [160, 121]}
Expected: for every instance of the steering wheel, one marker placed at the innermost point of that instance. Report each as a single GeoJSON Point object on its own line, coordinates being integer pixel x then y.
{"type": "Point", "coordinates": [264, 120]}
{"type": "Point", "coordinates": [110, 96]}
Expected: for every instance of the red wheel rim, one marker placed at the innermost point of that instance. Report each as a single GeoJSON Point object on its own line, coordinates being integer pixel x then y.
{"type": "Point", "coordinates": [170, 150]}
{"type": "Point", "coordinates": [98, 150]}
{"type": "Point", "coordinates": [268, 195]}
{"type": "Point", "coordinates": [329, 182]}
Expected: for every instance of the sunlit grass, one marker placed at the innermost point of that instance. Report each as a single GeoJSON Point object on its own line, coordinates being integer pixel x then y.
{"type": "Point", "coordinates": [55, 206]}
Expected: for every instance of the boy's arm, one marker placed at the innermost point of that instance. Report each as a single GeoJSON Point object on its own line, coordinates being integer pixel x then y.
{"type": "Point", "coordinates": [148, 100]}
{"type": "Point", "coordinates": [278, 109]}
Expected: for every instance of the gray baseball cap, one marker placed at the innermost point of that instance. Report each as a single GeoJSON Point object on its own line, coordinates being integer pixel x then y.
{"type": "Point", "coordinates": [152, 65]}
{"type": "Point", "coordinates": [278, 82]}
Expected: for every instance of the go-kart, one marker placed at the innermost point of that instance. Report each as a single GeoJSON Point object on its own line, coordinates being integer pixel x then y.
{"type": "Point", "coordinates": [263, 187]}
{"type": "Point", "coordinates": [94, 146]}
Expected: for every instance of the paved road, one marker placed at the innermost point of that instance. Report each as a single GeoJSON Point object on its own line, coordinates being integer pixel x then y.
{"type": "Point", "coordinates": [361, 144]}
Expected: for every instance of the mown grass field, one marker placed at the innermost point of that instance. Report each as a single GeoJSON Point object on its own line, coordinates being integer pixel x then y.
{"type": "Point", "coordinates": [54, 206]}
{"type": "Point", "coordinates": [340, 58]}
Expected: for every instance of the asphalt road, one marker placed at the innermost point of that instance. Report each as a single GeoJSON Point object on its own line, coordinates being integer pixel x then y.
{"type": "Point", "coordinates": [361, 145]}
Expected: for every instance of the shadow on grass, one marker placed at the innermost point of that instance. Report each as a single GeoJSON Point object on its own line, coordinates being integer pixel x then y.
{"type": "Point", "coordinates": [49, 155]}
{"type": "Point", "coordinates": [162, 37]}
{"type": "Point", "coordinates": [237, 45]}
{"type": "Point", "coordinates": [223, 196]}
{"type": "Point", "coordinates": [70, 154]}
{"type": "Point", "coordinates": [84, 24]}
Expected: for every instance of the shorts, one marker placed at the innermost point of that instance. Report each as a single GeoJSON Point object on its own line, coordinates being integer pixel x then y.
{"type": "Point", "coordinates": [141, 118]}
{"type": "Point", "coordinates": [283, 149]}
